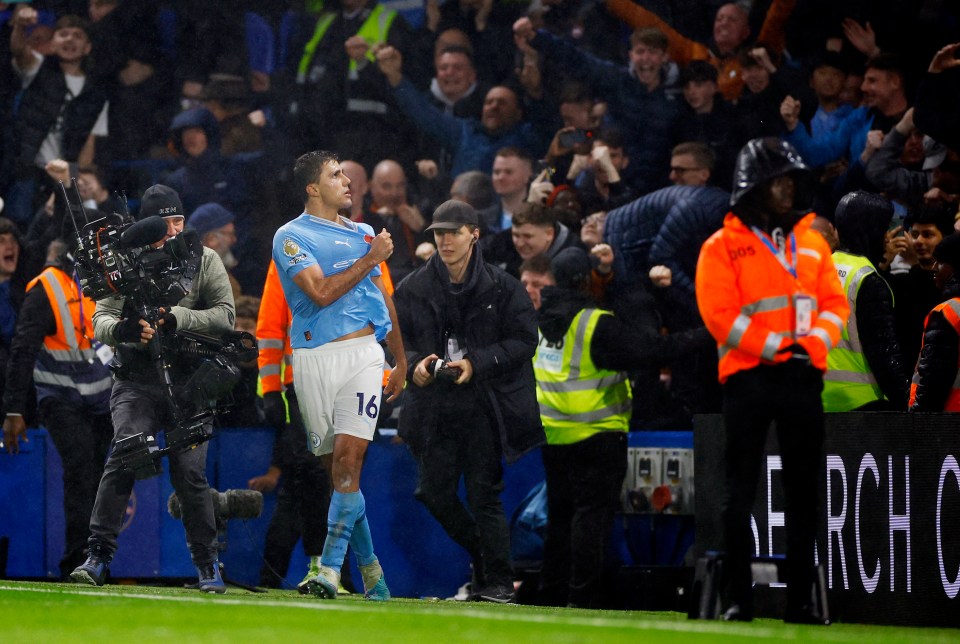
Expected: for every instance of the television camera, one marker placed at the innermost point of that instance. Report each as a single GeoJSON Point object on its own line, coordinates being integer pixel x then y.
{"type": "Point", "coordinates": [115, 257]}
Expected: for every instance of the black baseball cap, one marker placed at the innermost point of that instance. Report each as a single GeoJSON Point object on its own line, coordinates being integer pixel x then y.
{"type": "Point", "coordinates": [452, 214]}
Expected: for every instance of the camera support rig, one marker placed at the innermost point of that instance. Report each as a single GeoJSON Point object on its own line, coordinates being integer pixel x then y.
{"type": "Point", "coordinates": [126, 259]}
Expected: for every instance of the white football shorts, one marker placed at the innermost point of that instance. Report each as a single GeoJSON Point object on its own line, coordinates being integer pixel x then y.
{"type": "Point", "coordinates": [339, 386]}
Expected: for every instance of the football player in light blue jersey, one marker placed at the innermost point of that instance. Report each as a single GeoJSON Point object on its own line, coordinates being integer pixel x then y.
{"type": "Point", "coordinates": [329, 269]}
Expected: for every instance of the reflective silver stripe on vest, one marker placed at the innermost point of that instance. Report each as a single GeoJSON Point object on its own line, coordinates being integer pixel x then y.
{"type": "Point", "coordinates": [582, 385]}
{"type": "Point", "coordinates": [367, 106]}
{"type": "Point", "coordinates": [851, 377]}
{"type": "Point", "coordinates": [831, 317]}
{"type": "Point", "coordinates": [862, 272]}
{"type": "Point", "coordinates": [69, 331]}
{"type": "Point", "coordinates": [85, 388]}
{"type": "Point", "coordinates": [954, 306]}
{"type": "Point", "coordinates": [740, 326]}
{"type": "Point", "coordinates": [809, 252]}
{"type": "Point", "coordinates": [71, 355]}
{"type": "Point", "coordinates": [269, 370]}
{"type": "Point", "coordinates": [288, 359]}
{"type": "Point", "coordinates": [766, 305]}
{"type": "Point", "coordinates": [587, 417]}
{"type": "Point", "coordinates": [852, 341]}
{"type": "Point", "coordinates": [771, 345]}
{"type": "Point", "coordinates": [846, 344]}
{"type": "Point", "coordinates": [266, 343]}
{"type": "Point", "coordinates": [823, 335]}
{"type": "Point", "coordinates": [577, 354]}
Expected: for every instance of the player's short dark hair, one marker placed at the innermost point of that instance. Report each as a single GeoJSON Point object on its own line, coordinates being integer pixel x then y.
{"type": "Point", "coordinates": [308, 167]}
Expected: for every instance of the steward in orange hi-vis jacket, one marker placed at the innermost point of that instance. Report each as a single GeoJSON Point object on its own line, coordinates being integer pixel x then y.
{"type": "Point", "coordinates": [768, 292]}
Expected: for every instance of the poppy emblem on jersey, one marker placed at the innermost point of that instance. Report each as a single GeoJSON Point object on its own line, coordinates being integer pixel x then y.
{"type": "Point", "coordinates": [368, 239]}
{"type": "Point", "coordinates": [290, 247]}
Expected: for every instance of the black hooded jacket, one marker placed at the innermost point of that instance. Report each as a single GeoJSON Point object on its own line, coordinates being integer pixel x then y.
{"type": "Point", "coordinates": [861, 229]}
{"type": "Point", "coordinates": [937, 365]}
{"type": "Point", "coordinates": [230, 181]}
{"type": "Point", "coordinates": [494, 319]}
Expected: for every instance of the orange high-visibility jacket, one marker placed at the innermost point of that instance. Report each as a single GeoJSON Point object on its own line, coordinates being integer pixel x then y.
{"type": "Point", "coordinates": [951, 312]}
{"type": "Point", "coordinates": [273, 331]}
{"type": "Point", "coordinates": [746, 297]}
{"type": "Point", "coordinates": [273, 335]}
{"type": "Point", "coordinates": [682, 50]}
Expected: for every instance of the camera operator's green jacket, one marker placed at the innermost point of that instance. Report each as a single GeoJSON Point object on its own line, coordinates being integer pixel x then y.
{"type": "Point", "coordinates": [208, 308]}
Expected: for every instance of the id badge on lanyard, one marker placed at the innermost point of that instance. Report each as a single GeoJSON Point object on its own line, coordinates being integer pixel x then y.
{"type": "Point", "coordinates": [803, 305]}
{"type": "Point", "coordinates": [104, 351]}
{"type": "Point", "coordinates": [803, 311]}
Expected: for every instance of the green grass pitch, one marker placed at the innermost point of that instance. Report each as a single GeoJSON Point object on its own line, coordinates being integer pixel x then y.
{"type": "Point", "coordinates": [49, 612]}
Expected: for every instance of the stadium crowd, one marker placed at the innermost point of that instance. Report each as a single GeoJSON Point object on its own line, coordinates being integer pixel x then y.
{"type": "Point", "coordinates": [612, 127]}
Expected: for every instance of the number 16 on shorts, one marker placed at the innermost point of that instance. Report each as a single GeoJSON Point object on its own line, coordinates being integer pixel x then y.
{"type": "Point", "coordinates": [367, 405]}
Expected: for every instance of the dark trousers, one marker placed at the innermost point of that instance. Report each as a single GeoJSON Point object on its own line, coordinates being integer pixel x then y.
{"type": "Point", "coordinates": [583, 491]}
{"type": "Point", "coordinates": [82, 439]}
{"type": "Point", "coordinates": [469, 449]}
{"type": "Point", "coordinates": [303, 501]}
{"type": "Point", "coordinates": [139, 408]}
{"type": "Point", "coordinates": [301, 512]}
{"type": "Point", "coordinates": [789, 395]}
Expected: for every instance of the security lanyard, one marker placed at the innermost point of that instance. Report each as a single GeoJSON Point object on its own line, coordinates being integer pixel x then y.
{"type": "Point", "coordinates": [83, 326]}
{"type": "Point", "coordinates": [789, 267]}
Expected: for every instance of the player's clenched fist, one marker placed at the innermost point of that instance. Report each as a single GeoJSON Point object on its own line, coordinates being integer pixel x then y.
{"type": "Point", "coordinates": [382, 246]}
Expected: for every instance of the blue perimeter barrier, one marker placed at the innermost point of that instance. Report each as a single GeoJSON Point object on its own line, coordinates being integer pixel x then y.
{"type": "Point", "coordinates": [418, 557]}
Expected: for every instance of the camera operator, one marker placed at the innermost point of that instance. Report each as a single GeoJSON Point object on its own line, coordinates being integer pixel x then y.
{"type": "Point", "coordinates": [138, 403]}
{"type": "Point", "coordinates": [481, 323]}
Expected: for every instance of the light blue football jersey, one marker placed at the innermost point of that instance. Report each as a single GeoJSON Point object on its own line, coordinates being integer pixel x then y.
{"type": "Point", "coordinates": [308, 241]}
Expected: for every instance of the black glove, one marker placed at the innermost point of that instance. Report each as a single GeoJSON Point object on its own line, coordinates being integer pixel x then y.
{"type": "Point", "coordinates": [169, 322]}
{"type": "Point", "coordinates": [128, 330]}
{"type": "Point", "coordinates": [274, 409]}
{"type": "Point", "coordinates": [799, 353]}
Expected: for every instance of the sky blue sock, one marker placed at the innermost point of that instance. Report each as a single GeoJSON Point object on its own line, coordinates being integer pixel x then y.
{"type": "Point", "coordinates": [344, 509]}
{"type": "Point", "coordinates": [361, 541]}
